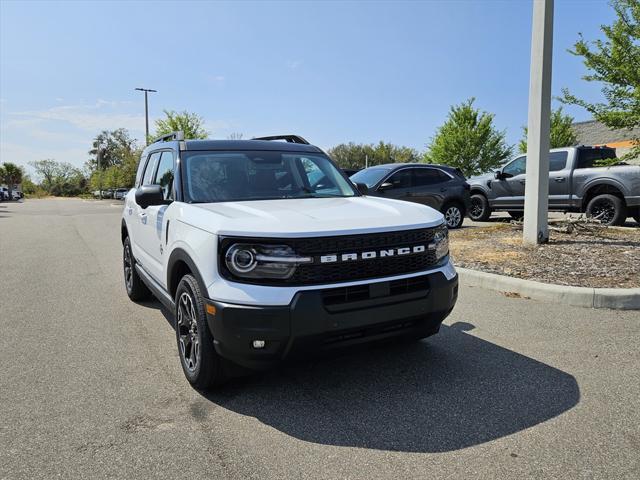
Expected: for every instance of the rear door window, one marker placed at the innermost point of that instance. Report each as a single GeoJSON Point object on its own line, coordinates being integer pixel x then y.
{"type": "Point", "coordinates": [557, 161]}
{"type": "Point", "coordinates": [428, 176]}
{"type": "Point", "coordinates": [592, 157]}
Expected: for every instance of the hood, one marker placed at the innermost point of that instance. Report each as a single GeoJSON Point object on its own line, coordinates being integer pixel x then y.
{"type": "Point", "coordinates": [309, 216]}
{"type": "Point", "coordinates": [481, 178]}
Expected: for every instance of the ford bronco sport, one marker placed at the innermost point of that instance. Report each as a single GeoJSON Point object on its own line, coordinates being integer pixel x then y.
{"type": "Point", "coordinates": [263, 249]}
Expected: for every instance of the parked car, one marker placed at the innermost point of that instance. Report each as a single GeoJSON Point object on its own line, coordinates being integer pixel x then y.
{"type": "Point", "coordinates": [16, 195]}
{"type": "Point", "coordinates": [350, 171]}
{"type": "Point", "coordinates": [576, 184]}
{"type": "Point", "coordinates": [4, 191]}
{"type": "Point", "coordinates": [120, 193]}
{"type": "Point", "coordinates": [441, 187]}
{"type": "Point", "coordinates": [263, 250]}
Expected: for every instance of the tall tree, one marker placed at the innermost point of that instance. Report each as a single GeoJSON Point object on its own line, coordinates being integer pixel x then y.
{"type": "Point", "coordinates": [191, 124]}
{"type": "Point", "coordinates": [11, 175]}
{"type": "Point", "coordinates": [562, 133]}
{"type": "Point", "coordinates": [355, 155]}
{"type": "Point", "coordinates": [469, 141]}
{"type": "Point", "coordinates": [46, 169]}
{"type": "Point", "coordinates": [615, 63]}
{"type": "Point", "coordinates": [114, 146]}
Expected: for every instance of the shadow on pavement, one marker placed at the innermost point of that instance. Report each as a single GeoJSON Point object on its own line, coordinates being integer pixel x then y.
{"type": "Point", "coordinates": [448, 393]}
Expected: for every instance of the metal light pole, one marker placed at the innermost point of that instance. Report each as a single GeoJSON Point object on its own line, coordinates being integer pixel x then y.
{"type": "Point", "coordinates": [146, 112]}
{"type": "Point", "coordinates": [536, 194]}
{"type": "Point", "coordinates": [99, 157]}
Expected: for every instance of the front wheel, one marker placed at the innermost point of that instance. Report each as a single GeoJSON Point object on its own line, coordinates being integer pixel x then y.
{"type": "Point", "coordinates": [453, 215]}
{"type": "Point", "coordinates": [200, 362]}
{"type": "Point", "coordinates": [609, 209]}
{"type": "Point", "coordinates": [479, 211]}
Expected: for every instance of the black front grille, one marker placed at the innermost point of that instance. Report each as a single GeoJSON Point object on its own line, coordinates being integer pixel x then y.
{"type": "Point", "coordinates": [343, 271]}
{"type": "Point", "coordinates": [317, 273]}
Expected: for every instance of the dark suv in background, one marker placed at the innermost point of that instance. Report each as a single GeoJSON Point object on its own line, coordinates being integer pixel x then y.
{"type": "Point", "coordinates": [438, 186]}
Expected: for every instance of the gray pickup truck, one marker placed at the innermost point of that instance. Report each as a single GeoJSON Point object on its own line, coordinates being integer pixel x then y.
{"type": "Point", "coordinates": [576, 184]}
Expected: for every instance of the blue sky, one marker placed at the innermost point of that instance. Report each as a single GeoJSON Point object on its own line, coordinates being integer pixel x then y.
{"type": "Point", "coordinates": [330, 71]}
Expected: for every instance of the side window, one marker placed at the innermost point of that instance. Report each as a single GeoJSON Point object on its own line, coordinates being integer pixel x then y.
{"type": "Point", "coordinates": [557, 161]}
{"type": "Point", "coordinates": [428, 176]}
{"type": "Point", "coordinates": [151, 168]}
{"type": "Point", "coordinates": [516, 167]}
{"type": "Point", "coordinates": [164, 177]}
{"type": "Point", "coordinates": [401, 179]}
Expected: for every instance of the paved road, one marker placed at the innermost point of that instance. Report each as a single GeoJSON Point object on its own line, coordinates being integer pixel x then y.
{"type": "Point", "coordinates": [91, 386]}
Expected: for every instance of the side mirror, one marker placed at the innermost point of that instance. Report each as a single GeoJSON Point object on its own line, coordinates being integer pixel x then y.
{"type": "Point", "coordinates": [499, 175]}
{"type": "Point", "coordinates": [385, 186]}
{"type": "Point", "coordinates": [362, 188]}
{"type": "Point", "coordinates": [148, 195]}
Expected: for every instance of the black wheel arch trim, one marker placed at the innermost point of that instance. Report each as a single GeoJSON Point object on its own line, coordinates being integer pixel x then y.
{"type": "Point", "coordinates": [179, 255]}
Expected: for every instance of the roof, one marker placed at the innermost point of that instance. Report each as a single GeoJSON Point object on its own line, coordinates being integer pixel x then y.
{"type": "Point", "coordinates": [593, 132]}
{"type": "Point", "coordinates": [249, 145]}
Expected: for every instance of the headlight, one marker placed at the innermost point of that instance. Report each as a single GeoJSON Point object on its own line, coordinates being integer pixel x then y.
{"type": "Point", "coordinates": [263, 261]}
{"type": "Point", "coordinates": [440, 242]}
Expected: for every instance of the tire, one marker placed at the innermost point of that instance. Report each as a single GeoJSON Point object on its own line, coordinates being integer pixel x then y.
{"type": "Point", "coordinates": [608, 208]}
{"type": "Point", "coordinates": [480, 210]}
{"type": "Point", "coordinates": [516, 215]}
{"type": "Point", "coordinates": [453, 215]}
{"type": "Point", "coordinates": [200, 362]}
{"type": "Point", "coordinates": [136, 289]}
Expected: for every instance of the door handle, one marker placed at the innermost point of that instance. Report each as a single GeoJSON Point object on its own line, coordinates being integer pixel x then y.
{"type": "Point", "coordinates": [560, 179]}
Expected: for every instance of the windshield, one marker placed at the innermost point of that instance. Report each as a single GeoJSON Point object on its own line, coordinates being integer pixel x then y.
{"type": "Point", "coordinates": [370, 176]}
{"type": "Point", "coordinates": [258, 175]}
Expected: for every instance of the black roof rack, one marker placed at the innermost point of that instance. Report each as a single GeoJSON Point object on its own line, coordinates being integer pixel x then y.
{"type": "Point", "coordinates": [286, 138]}
{"type": "Point", "coordinates": [169, 137]}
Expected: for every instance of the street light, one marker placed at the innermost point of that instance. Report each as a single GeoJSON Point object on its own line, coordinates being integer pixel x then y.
{"type": "Point", "coordinates": [146, 112]}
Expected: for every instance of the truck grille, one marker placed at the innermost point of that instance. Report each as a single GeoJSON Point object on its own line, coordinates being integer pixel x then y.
{"type": "Point", "coordinates": [317, 273]}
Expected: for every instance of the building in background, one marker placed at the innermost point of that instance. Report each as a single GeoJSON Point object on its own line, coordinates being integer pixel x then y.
{"type": "Point", "coordinates": [593, 132]}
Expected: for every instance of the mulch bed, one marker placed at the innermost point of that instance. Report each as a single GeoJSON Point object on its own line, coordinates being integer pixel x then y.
{"type": "Point", "coordinates": [589, 256]}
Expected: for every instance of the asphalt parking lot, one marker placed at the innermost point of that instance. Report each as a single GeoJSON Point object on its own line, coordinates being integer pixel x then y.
{"type": "Point", "coordinates": [91, 386]}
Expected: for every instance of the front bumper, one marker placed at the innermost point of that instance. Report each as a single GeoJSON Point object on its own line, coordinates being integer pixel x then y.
{"type": "Point", "coordinates": [328, 318]}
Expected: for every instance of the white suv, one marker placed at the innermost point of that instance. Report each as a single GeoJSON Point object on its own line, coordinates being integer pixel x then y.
{"type": "Point", "coordinates": [264, 250]}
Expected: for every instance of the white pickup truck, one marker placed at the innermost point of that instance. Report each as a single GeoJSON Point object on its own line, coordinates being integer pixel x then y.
{"type": "Point", "coordinates": [264, 250]}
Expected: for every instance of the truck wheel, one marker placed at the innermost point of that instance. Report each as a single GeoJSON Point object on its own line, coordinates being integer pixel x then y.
{"type": "Point", "coordinates": [136, 289]}
{"type": "Point", "coordinates": [201, 364]}
{"type": "Point", "coordinates": [453, 215]}
{"type": "Point", "coordinates": [607, 208]}
{"type": "Point", "coordinates": [516, 215]}
{"type": "Point", "coordinates": [479, 211]}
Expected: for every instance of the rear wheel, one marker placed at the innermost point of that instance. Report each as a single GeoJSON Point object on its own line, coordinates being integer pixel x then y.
{"type": "Point", "coordinates": [200, 362]}
{"type": "Point", "coordinates": [453, 215]}
{"type": "Point", "coordinates": [607, 208]}
{"type": "Point", "coordinates": [136, 289]}
{"type": "Point", "coordinates": [479, 211]}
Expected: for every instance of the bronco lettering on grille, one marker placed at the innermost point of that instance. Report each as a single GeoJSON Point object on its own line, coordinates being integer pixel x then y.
{"type": "Point", "coordinates": [388, 252]}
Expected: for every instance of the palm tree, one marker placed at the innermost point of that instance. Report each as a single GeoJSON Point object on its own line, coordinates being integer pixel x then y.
{"type": "Point", "coordinates": [12, 175]}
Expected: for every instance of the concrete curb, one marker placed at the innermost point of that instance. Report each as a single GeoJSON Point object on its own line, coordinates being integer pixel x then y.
{"type": "Point", "coordinates": [615, 298]}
